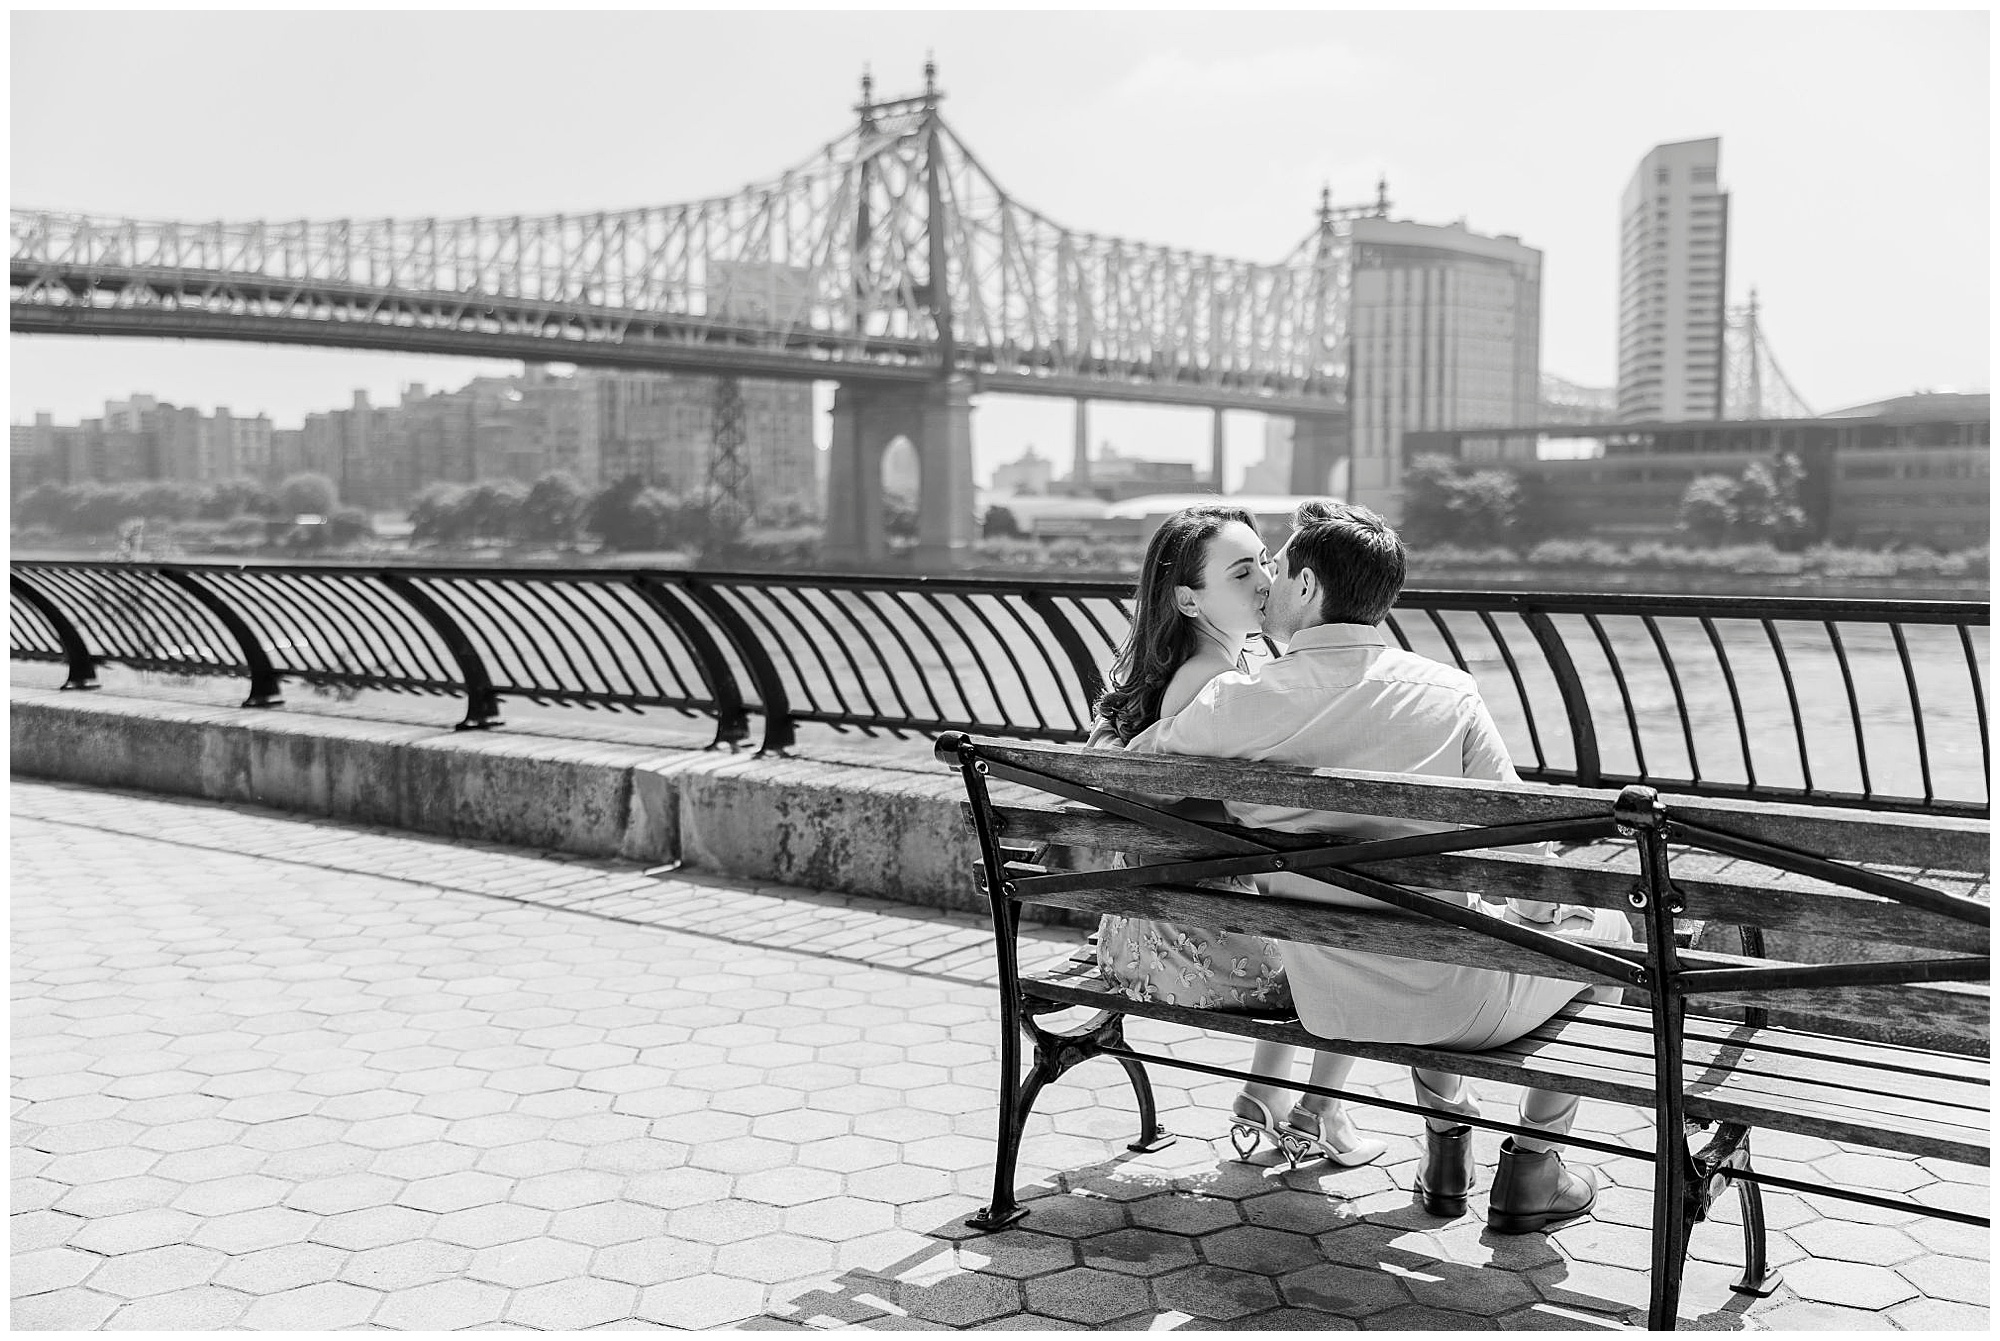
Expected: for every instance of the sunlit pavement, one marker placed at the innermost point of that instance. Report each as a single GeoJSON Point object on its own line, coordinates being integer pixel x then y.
{"type": "Point", "coordinates": [272, 1073]}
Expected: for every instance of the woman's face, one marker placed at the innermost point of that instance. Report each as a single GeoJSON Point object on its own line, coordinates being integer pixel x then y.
{"type": "Point", "coordinates": [1236, 580]}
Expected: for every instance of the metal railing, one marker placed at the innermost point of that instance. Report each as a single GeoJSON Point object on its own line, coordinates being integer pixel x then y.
{"type": "Point", "coordinates": [1871, 703]}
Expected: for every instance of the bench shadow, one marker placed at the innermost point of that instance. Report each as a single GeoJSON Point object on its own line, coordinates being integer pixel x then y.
{"type": "Point", "coordinates": [1103, 1247]}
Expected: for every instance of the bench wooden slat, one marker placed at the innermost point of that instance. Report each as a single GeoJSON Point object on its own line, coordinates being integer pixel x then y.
{"type": "Point", "coordinates": [1738, 893]}
{"type": "Point", "coordinates": [1842, 835]}
{"type": "Point", "coordinates": [1605, 1052]}
{"type": "Point", "coordinates": [1942, 1010]}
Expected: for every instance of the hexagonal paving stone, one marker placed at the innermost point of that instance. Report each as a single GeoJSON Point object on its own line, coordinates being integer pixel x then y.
{"type": "Point", "coordinates": [744, 1154]}
{"type": "Point", "coordinates": [489, 1226]}
{"type": "Point", "coordinates": [50, 1269]}
{"type": "Point", "coordinates": [568, 1188]}
{"type": "Point", "coordinates": [1881, 1245]}
{"type": "Point", "coordinates": [286, 1267]}
{"type": "Point", "coordinates": [608, 1222]}
{"type": "Point", "coordinates": [1808, 1316]}
{"type": "Point", "coordinates": [1184, 1213]}
{"type": "Point", "coordinates": [572, 1304]}
{"type": "Point", "coordinates": [199, 1308]}
{"type": "Point", "coordinates": [247, 1231]}
{"type": "Point", "coordinates": [135, 1231]}
{"type": "Point", "coordinates": [1252, 1248]}
{"type": "Point", "coordinates": [724, 1221]}
{"type": "Point", "coordinates": [1870, 1172]}
{"type": "Point", "coordinates": [313, 1308]}
{"type": "Point", "coordinates": [1086, 1295]}
{"type": "Point", "coordinates": [454, 1192]}
{"type": "Point", "coordinates": [1136, 1252]}
{"type": "Point", "coordinates": [701, 1301]}
{"type": "Point", "coordinates": [373, 1227]}
{"type": "Point", "coordinates": [179, 1266]}
{"type": "Point", "coordinates": [1215, 1292]}
{"type": "Point", "coordinates": [789, 1186]}
{"type": "Point", "coordinates": [342, 1192]}
{"type": "Point", "coordinates": [653, 1261]}
{"type": "Point", "coordinates": [62, 1311]}
{"type": "Point", "coordinates": [1955, 1279]}
{"type": "Point", "coordinates": [1347, 1291]}
{"type": "Point", "coordinates": [446, 1305]}
{"type": "Point", "coordinates": [399, 1266]}
{"type": "Point", "coordinates": [537, 1261]}
{"type": "Point", "coordinates": [1849, 1284]}
{"type": "Point", "coordinates": [773, 1257]}
{"type": "Point", "coordinates": [899, 1184]}
{"type": "Point", "coordinates": [839, 1218]}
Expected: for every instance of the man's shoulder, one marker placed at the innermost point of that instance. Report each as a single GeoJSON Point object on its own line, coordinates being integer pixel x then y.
{"type": "Point", "coordinates": [1399, 666]}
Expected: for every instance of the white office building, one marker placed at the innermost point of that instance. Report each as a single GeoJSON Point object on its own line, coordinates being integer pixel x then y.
{"type": "Point", "coordinates": [1673, 269]}
{"type": "Point", "coordinates": [1445, 331]}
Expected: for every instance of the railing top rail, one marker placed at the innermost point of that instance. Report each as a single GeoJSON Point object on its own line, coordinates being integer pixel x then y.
{"type": "Point", "coordinates": [1729, 607]}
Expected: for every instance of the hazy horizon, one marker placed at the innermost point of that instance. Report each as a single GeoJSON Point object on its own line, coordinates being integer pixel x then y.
{"type": "Point", "coordinates": [1855, 149]}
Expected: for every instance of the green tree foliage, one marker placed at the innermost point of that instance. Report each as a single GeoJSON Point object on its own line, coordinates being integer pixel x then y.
{"type": "Point", "coordinates": [899, 518]}
{"type": "Point", "coordinates": [348, 525]}
{"type": "Point", "coordinates": [1761, 505]}
{"type": "Point", "coordinates": [235, 498]}
{"type": "Point", "coordinates": [553, 508]}
{"type": "Point", "coordinates": [610, 516]}
{"type": "Point", "coordinates": [307, 493]}
{"type": "Point", "coordinates": [1708, 509]}
{"type": "Point", "coordinates": [1445, 504]}
{"type": "Point", "coordinates": [435, 514]}
{"type": "Point", "coordinates": [493, 508]}
{"type": "Point", "coordinates": [1000, 524]}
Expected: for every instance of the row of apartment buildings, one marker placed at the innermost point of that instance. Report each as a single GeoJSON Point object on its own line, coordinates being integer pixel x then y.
{"type": "Point", "coordinates": [597, 425]}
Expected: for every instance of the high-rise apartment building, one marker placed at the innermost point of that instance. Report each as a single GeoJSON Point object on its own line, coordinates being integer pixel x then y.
{"type": "Point", "coordinates": [1444, 331]}
{"type": "Point", "coordinates": [1672, 271]}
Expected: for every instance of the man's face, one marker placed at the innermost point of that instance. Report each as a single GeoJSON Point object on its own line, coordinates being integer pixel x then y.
{"type": "Point", "coordinates": [1294, 596]}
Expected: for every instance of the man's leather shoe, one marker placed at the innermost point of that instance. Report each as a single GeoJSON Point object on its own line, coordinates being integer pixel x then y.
{"type": "Point", "coordinates": [1445, 1175]}
{"type": "Point", "coordinates": [1533, 1189]}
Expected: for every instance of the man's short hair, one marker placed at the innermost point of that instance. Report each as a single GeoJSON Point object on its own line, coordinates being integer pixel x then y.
{"type": "Point", "coordinates": [1357, 557]}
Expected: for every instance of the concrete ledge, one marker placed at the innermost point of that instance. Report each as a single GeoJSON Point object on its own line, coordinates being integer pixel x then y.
{"type": "Point", "coordinates": [889, 833]}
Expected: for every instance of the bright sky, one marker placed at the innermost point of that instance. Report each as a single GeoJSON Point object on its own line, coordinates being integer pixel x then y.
{"type": "Point", "coordinates": [1855, 147]}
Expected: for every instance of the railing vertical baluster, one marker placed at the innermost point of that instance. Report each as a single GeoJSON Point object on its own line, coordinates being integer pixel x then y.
{"type": "Point", "coordinates": [82, 668]}
{"type": "Point", "coordinates": [264, 681]}
{"type": "Point", "coordinates": [1916, 711]}
{"type": "Point", "coordinates": [780, 732]}
{"type": "Point", "coordinates": [1979, 706]}
{"type": "Point", "coordinates": [482, 705]}
{"type": "Point", "coordinates": [1576, 702]}
{"type": "Point", "coordinates": [732, 720]}
{"type": "Point", "coordinates": [1073, 647]}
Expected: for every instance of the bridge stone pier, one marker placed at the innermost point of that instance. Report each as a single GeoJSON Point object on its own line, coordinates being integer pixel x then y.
{"type": "Point", "coordinates": [937, 419]}
{"type": "Point", "coordinates": [1319, 443]}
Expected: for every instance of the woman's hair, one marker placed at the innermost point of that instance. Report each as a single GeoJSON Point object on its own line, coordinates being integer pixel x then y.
{"type": "Point", "coordinates": [1162, 638]}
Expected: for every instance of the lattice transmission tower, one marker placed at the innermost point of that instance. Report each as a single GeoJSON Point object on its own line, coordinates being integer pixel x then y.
{"type": "Point", "coordinates": [1756, 387]}
{"type": "Point", "coordinates": [731, 501]}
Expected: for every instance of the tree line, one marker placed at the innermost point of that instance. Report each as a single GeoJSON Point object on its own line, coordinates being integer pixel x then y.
{"type": "Point", "coordinates": [91, 508]}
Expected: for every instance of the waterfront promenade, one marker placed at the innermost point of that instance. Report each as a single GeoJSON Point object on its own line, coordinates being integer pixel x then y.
{"type": "Point", "coordinates": [295, 1074]}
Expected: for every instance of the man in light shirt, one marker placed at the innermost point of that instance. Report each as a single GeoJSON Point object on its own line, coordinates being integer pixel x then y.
{"type": "Point", "coordinates": [1341, 698]}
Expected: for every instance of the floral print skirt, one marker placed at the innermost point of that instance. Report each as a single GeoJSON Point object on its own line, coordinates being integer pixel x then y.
{"type": "Point", "coordinates": [1192, 966]}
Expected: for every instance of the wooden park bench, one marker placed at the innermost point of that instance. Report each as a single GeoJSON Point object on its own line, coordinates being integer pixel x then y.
{"type": "Point", "coordinates": [1885, 1047]}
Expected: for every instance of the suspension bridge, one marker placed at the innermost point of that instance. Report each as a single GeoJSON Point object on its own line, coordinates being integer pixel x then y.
{"type": "Point", "coordinates": [891, 262]}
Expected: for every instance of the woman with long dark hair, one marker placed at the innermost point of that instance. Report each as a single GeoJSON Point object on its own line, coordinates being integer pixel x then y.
{"type": "Point", "coordinates": [1197, 614]}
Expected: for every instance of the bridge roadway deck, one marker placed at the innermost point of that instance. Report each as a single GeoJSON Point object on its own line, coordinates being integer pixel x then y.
{"type": "Point", "coordinates": [280, 1074]}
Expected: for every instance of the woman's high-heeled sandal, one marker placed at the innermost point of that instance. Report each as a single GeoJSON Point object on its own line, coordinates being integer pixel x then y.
{"type": "Point", "coordinates": [1247, 1132]}
{"type": "Point", "coordinates": [1304, 1138]}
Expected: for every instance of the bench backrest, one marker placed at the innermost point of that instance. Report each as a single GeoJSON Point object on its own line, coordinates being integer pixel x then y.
{"type": "Point", "coordinates": [1859, 923]}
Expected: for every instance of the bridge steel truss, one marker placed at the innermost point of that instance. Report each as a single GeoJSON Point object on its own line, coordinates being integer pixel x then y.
{"type": "Point", "coordinates": [1875, 704]}
{"type": "Point", "coordinates": [892, 255]}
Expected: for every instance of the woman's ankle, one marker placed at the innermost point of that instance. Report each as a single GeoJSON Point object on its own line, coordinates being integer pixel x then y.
{"type": "Point", "coordinates": [1270, 1096]}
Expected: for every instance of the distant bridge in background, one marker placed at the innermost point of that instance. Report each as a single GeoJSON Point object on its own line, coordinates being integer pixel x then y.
{"type": "Point", "coordinates": [891, 262]}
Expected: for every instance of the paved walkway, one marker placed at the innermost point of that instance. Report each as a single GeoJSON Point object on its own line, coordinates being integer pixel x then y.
{"type": "Point", "coordinates": [270, 1073]}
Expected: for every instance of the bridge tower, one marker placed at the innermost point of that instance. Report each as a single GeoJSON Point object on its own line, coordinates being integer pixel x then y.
{"type": "Point", "coordinates": [936, 417]}
{"type": "Point", "coordinates": [1754, 386]}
